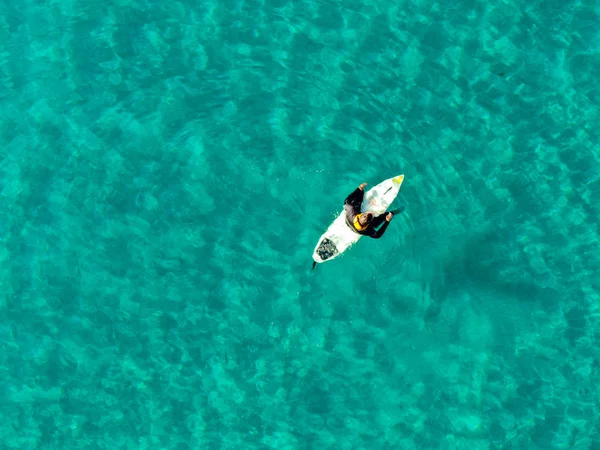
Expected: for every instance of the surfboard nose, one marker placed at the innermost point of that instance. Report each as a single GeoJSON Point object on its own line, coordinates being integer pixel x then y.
{"type": "Point", "coordinates": [399, 179]}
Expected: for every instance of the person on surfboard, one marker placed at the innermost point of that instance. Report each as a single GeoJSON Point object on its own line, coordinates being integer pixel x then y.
{"type": "Point", "coordinates": [365, 223]}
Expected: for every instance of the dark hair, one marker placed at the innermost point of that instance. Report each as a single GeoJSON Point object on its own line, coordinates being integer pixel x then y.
{"type": "Point", "coordinates": [369, 217]}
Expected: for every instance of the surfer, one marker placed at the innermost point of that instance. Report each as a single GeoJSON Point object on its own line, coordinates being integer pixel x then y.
{"type": "Point", "coordinates": [365, 223]}
{"type": "Point", "coordinates": [352, 223]}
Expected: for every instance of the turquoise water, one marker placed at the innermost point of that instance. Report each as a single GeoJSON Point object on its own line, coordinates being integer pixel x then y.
{"type": "Point", "coordinates": [167, 169]}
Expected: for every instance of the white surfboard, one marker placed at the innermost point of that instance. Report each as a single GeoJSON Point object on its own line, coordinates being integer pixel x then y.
{"type": "Point", "coordinates": [339, 237]}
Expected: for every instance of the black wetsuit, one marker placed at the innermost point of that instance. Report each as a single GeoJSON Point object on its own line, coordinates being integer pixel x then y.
{"type": "Point", "coordinates": [352, 206]}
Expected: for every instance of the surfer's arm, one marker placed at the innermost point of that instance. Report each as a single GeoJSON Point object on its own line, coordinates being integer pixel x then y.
{"type": "Point", "coordinates": [376, 234]}
{"type": "Point", "coordinates": [355, 198]}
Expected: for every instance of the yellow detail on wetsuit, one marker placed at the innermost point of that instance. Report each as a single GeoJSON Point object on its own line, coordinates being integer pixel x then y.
{"type": "Point", "coordinates": [357, 224]}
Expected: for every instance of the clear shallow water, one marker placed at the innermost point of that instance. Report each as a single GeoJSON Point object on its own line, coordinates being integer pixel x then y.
{"type": "Point", "coordinates": [167, 168]}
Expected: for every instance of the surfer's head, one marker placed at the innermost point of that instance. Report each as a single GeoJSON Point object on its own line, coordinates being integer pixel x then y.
{"type": "Point", "coordinates": [365, 219]}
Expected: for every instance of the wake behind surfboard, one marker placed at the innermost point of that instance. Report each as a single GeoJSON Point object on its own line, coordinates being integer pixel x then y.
{"type": "Point", "coordinates": [339, 237]}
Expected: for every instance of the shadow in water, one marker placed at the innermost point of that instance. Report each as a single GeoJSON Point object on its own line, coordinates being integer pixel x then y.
{"type": "Point", "coordinates": [491, 266]}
